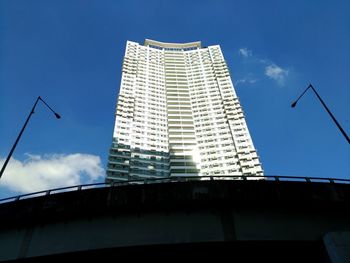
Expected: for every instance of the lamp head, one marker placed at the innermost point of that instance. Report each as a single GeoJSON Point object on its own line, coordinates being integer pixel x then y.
{"type": "Point", "coordinates": [293, 104]}
{"type": "Point", "coordinates": [57, 116]}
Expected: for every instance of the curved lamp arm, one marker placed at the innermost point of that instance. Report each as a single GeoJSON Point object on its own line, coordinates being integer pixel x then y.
{"type": "Point", "coordinates": [325, 106]}
{"type": "Point", "coordinates": [22, 130]}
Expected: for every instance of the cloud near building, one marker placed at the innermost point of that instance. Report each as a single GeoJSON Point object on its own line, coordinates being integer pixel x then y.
{"type": "Point", "coordinates": [247, 79]}
{"type": "Point", "coordinates": [270, 69]}
{"type": "Point", "coordinates": [245, 52]}
{"type": "Point", "coordinates": [276, 73]}
{"type": "Point", "coordinates": [38, 172]}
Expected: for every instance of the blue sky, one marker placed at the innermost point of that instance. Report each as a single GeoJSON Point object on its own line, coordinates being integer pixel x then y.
{"type": "Point", "coordinates": [70, 53]}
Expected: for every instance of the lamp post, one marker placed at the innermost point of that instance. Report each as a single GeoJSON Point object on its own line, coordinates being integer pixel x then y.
{"type": "Point", "coordinates": [324, 105]}
{"type": "Point", "coordinates": [20, 134]}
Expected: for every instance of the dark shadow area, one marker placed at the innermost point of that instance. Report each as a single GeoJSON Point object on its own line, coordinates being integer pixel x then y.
{"type": "Point", "coordinates": [245, 251]}
{"type": "Point", "coordinates": [269, 221]}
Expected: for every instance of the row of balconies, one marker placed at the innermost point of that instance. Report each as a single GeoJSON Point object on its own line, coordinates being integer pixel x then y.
{"type": "Point", "coordinates": [182, 165]}
{"type": "Point", "coordinates": [180, 143]}
{"type": "Point", "coordinates": [151, 148]}
{"type": "Point", "coordinates": [180, 125]}
{"type": "Point", "coordinates": [178, 107]}
{"type": "Point", "coordinates": [178, 103]}
{"type": "Point", "coordinates": [202, 104]}
{"type": "Point", "coordinates": [248, 158]}
{"type": "Point", "coordinates": [234, 117]}
{"type": "Point", "coordinates": [175, 70]}
{"type": "Point", "coordinates": [174, 58]}
{"type": "Point", "coordinates": [172, 80]}
{"type": "Point", "coordinates": [217, 146]}
{"type": "Point", "coordinates": [138, 126]}
{"type": "Point", "coordinates": [125, 115]}
{"type": "Point", "coordinates": [150, 110]}
{"type": "Point", "coordinates": [182, 129]}
{"type": "Point", "coordinates": [177, 95]}
{"type": "Point", "coordinates": [150, 124]}
{"type": "Point", "coordinates": [129, 71]}
{"type": "Point", "coordinates": [219, 169]}
{"type": "Point", "coordinates": [122, 100]}
{"type": "Point", "coordinates": [176, 76]}
{"type": "Point", "coordinates": [125, 109]}
{"type": "Point", "coordinates": [152, 91]}
{"type": "Point", "coordinates": [207, 130]}
{"type": "Point", "coordinates": [208, 122]}
{"type": "Point", "coordinates": [118, 149]}
{"type": "Point", "coordinates": [148, 141]}
{"type": "Point", "coordinates": [244, 150]}
{"type": "Point", "coordinates": [182, 139]}
{"type": "Point", "coordinates": [175, 66]}
{"type": "Point", "coordinates": [214, 112]}
{"type": "Point", "coordinates": [150, 118]}
{"type": "Point", "coordinates": [180, 118]}
{"type": "Point", "coordinates": [233, 107]}
{"type": "Point", "coordinates": [149, 158]}
{"type": "Point", "coordinates": [235, 111]}
{"type": "Point", "coordinates": [256, 167]}
{"type": "Point", "coordinates": [150, 82]}
{"type": "Point", "coordinates": [147, 164]}
{"type": "Point", "coordinates": [144, 99]}
{"type": "Point", "coordinates": [129, 64]}
{"type": "Point", "coordinates": [179, 113]}
{"type": "Point", "coordinates": [215, 138]}
{"type": "Point", "coordinates": [150, 106]}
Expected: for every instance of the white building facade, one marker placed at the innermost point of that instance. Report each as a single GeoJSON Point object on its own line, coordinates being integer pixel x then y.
{"type": "Point", "coordinates": [178, 115]}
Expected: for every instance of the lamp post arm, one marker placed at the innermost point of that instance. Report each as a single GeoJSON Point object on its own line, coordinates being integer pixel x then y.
{"type": "Point", "coordinates": [302, 94]}
{"type": "Point", "coordinates": [56, 114]}
{"type": "Point", "coordinates": [19, 136]}
{"type": "Point", "coordinates": [333, 118]}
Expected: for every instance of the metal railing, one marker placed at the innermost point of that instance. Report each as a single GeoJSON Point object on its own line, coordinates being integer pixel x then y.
{"type": "Point", "coordinates": [276, 178]}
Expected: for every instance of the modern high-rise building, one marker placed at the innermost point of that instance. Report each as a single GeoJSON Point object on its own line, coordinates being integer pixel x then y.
{"type": "Point", "coordinates": [178, 115]}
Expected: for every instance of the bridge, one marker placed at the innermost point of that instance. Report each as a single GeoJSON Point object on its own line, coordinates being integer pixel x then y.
{"type": "Point", "coordinates": [277, 218]}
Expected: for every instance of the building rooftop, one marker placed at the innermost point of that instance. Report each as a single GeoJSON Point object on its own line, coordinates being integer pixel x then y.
{"type": "Point", "coordinates": [190, 45]}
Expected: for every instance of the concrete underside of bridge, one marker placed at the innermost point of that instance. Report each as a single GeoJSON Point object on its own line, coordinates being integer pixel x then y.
{"type": "Point", "coordinates": [220, 219]}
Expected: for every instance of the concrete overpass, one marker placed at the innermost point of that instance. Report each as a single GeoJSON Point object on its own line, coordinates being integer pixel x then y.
{"type": "Point", "coordinates": [178, 219]}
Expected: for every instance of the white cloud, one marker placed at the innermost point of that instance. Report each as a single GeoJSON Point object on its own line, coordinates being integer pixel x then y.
{"type": "Point", "coordinates": [245, 52]}
{"type": "Point", "coordinates": [271, 69]}
{"type": "Point", "coordinates": [38, 173]}
{"type": "Point", "coordinates": [276, 73]}
{"type": "Point", "coordinates": [247, 79]}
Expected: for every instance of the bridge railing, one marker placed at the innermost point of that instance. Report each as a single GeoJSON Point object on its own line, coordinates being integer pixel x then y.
{"type": "Point", "coordinates": [276, 178]}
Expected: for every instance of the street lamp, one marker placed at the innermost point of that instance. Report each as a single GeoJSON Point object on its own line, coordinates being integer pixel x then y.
{"type": "Point", "coordinates": [20, 134]}
{"type": "Point", "coordinates": [324, 105]}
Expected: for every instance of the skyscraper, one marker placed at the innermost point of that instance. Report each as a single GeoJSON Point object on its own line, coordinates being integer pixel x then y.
{"type": "Point", "coordinates": [178, 115]}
